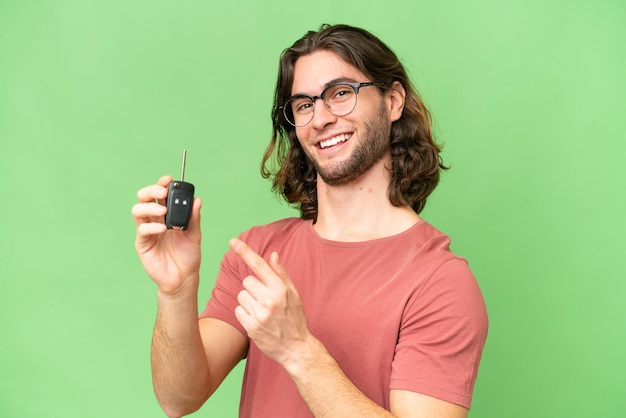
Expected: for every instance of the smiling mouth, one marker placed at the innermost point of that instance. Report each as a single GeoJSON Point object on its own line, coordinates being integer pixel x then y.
{"type": "Point", "coordinates": [334, 140]}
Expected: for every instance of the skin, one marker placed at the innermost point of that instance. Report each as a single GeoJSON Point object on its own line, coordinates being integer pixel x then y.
{"type": "Point", "coordinates": [190, 358]}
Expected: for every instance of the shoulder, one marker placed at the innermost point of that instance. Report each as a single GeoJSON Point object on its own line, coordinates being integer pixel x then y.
{"type": "Point", "coordinates": [448, 281]}
{"type": "Point", "coordinates": [274, 234]}
{"type": "Point", "coordinates": [427, 249]}
{"type": "Point", "coordinates": [279, 227]}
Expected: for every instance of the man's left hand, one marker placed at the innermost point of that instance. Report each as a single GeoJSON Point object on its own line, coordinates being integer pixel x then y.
{"type": "Point", "coordinates": [270, 308]}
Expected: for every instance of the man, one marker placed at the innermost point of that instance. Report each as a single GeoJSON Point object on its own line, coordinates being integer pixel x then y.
{"type": "Point", "coordinates": [358, 308]}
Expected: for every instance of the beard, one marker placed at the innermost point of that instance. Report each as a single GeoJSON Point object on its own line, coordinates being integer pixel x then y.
{"type": "Point", "coordinates": [373, 147]}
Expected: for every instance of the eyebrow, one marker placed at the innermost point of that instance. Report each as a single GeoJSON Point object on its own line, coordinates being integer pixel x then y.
{"type": "Point", "coordinates": [329, 83]}
{"type": "Point", "coordinates": [340, 80]}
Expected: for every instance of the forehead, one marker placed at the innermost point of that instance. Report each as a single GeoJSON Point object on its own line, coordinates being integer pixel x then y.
{"type": "Point", "coordinates": [313, 71]}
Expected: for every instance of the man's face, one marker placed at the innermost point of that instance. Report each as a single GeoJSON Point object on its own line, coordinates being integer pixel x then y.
{"type": "Point", "coordinates": [341, 148]}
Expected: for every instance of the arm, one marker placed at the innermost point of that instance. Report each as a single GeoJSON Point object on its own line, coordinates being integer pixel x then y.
{"type": "Point", "coordinates": [271, 312]}
{"type": "Point", "coordinates": [319, 378]}
{"type": "Point", "coordinates": [189, 358]}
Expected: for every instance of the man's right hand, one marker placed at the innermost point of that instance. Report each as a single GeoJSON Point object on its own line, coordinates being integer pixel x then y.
{"type": "Point", "coordinates": [170, 257]}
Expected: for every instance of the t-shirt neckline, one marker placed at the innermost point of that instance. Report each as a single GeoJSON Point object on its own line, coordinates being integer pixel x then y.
{"type": "Point", "coordinates": [317, 237]}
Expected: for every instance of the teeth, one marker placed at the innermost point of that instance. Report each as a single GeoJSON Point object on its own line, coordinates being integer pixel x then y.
{"type": "Point", "coordinates": [334, 141]}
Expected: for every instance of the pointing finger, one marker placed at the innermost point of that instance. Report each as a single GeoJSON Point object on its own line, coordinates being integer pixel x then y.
{"type": "Point", "coordinates": [257, 264]}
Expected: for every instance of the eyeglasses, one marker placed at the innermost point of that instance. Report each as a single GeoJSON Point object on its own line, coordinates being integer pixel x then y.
{"type": "Point", "coordinates": [339, 99]}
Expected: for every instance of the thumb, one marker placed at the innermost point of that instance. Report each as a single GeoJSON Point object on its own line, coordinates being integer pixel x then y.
{"type": "Point", "coordinates": [194, 230]}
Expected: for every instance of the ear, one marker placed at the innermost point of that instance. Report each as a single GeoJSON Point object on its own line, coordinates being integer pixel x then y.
{"type": "Point", "coordinates": [396, 101]}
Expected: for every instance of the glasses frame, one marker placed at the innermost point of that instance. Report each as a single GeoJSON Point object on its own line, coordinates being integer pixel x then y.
{"type": "Point", "coordinates": [355, 86]}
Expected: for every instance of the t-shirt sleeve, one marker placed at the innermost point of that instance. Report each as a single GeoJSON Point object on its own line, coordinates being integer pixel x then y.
{"type": "Point", "coordinates": [223, 301]}
{"type": "Point", "coordinates": [442, 334]}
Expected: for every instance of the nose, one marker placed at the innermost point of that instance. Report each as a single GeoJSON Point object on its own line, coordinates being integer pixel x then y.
{"type": "Point", "coordinates": [322, 115]}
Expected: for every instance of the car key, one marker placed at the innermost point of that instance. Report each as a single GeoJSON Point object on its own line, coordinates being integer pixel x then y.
{"type": "Point", "coordinates": [179, 201]}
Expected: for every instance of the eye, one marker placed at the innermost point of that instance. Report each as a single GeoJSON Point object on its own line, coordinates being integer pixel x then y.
{"type": "Point", "coordinates": [340, 93]}
{"type": "Point", "coordinates": [301, 105]}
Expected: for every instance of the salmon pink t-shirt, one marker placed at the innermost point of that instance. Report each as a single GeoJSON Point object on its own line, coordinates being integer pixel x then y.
{"type": "Point", "coordinates": [400, 312]}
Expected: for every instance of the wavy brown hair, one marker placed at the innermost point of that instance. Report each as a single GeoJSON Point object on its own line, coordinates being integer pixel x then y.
{"type": "Point", "coordinates": [415, 159]}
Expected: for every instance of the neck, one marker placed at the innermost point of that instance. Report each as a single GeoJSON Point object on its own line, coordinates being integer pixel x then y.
{"type": "Point", "coordinates": [361, 210]}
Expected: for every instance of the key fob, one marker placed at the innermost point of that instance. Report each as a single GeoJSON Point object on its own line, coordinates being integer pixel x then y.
{"type": "Point", "coordinates": [179, 204]}
{"type": "Point", "coordinates": [179, 201]}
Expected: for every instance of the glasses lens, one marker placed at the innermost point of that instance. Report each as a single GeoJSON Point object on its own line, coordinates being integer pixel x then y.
{"type": "Point", "coordinates": [340, 99]}
{"type": "Point", "coordinates": [299, 110]}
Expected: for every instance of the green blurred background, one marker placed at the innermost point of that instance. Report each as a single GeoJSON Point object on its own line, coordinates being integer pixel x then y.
{"type": "Point", "coordinates": [98, 98]}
